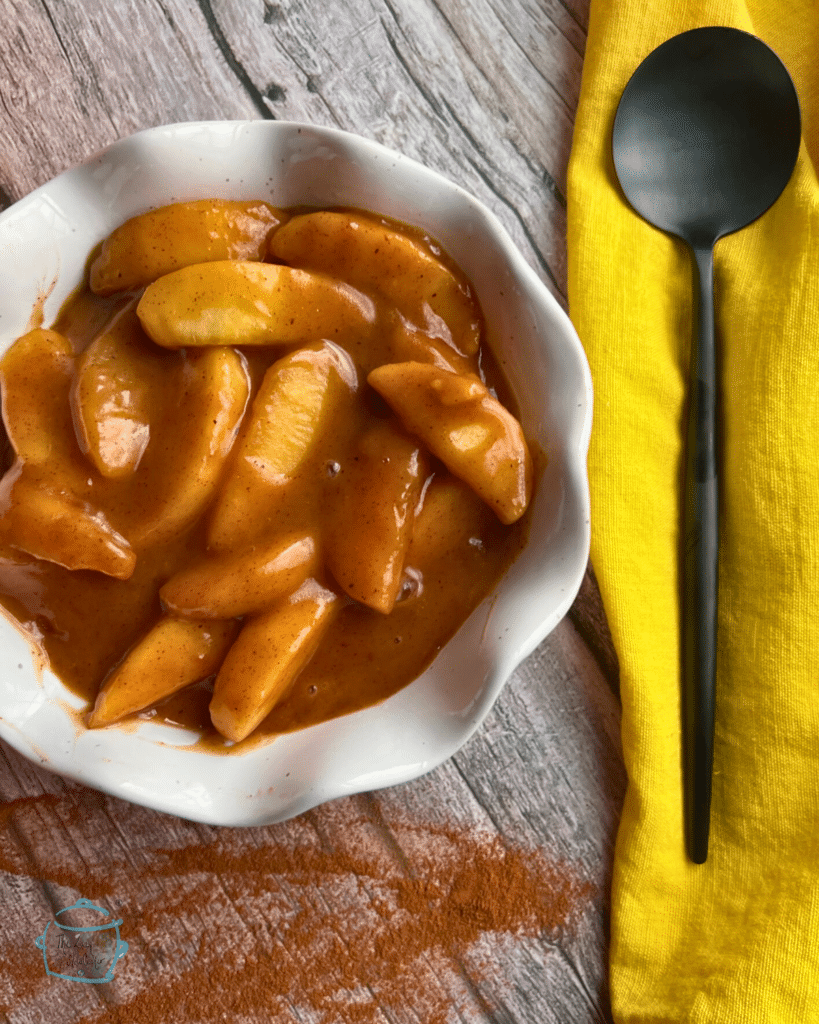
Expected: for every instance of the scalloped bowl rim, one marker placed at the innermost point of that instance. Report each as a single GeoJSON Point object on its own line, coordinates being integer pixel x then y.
{"type": "Point", "coordinates": [44, 242]}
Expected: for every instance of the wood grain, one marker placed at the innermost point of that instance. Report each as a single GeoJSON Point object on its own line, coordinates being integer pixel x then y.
{"type": "Point", "coordinates": [483, 91]}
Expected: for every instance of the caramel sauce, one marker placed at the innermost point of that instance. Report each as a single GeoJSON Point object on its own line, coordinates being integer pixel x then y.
{"type": "Point", "coordinates": [84, 622]}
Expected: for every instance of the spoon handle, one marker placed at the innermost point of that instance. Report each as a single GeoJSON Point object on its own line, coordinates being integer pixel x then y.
{"type": "Point", "coordinates": [701, 533]}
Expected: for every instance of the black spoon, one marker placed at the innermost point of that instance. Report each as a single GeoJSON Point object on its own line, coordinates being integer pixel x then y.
{"type": "Point", "coordinates": [705, 139]}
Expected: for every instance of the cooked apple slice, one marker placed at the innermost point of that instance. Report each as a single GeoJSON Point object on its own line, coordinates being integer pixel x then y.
{"type": "Point", "coordinates": [267, 657]}
{"type": "Point", "coordinates": [35, 377]}
{"type": "Point", "coordinates": [409, 344]}
{"type": "Point", "coordinates": [231, 585]}
{"type": "Point", "coordinates": [466, 427]}
{"type": "Point", "coordinates": [371, 515]}
{"type": "Point", "coordinates": [175, 653]}
{"type": "Point", "coordinates": [451, 520]}
{"type": "Point", "coordinates": [58, 527]}
{"type": "Point", "coordinates": [380, 259]}
{"type": "Point", "coordinates": [160, 241]}
{"type": "Point", "coordinates": [114, 395]}
{"type": "Point", "coordinates": [239, 303]}
{"type": "Point", "coordinates": [303, 402]}
{"type": "Point", "coordinates": [184, 462]}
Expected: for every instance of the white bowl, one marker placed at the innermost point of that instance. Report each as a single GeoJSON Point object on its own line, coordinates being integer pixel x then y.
{"type": "Point", "coordinates": [44, 242]}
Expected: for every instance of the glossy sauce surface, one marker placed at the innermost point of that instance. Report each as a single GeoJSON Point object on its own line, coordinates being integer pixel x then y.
{"type": "Point", "coordinates": [84, 622]}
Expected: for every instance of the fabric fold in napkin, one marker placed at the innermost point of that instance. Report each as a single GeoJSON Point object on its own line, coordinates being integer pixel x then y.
{"type": "Point", "coordinates": [736, 940]}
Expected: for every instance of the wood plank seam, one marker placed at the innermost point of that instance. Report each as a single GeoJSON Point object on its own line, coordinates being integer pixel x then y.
{"type": "Point", "coordinates": [233, 62]}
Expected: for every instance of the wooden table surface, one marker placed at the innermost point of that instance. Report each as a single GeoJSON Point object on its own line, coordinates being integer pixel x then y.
{"type": "Point", "coordinates": [480, 892]}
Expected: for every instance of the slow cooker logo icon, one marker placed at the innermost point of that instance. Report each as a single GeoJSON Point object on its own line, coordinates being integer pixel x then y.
{"type": "Point", "coordinates": [79, 945]}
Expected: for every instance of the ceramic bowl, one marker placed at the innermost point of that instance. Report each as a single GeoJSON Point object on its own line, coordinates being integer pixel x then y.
{"type": "Point", "coordinates": [44, 243]}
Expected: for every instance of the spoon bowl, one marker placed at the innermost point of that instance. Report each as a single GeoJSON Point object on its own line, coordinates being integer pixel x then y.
{"type": "Point", "coordinates": [705, 139]}
{"type": "Point", "coordinates": [706, 133]}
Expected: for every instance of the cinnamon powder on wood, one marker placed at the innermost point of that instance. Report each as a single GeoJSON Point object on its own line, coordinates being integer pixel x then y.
{"type": "Point", "coordinates": [263, 925]}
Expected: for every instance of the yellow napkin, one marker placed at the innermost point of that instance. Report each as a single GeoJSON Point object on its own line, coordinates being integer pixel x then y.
{"type": "Point", "coordinates": [735, 940]}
